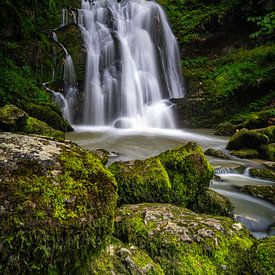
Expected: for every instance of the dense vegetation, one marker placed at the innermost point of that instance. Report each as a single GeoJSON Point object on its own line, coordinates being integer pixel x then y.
{"type": "Point", "coordinates": [228, 60]}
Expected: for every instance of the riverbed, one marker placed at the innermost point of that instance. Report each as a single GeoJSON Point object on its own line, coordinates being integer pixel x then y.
{"type": "Point", "coordinates": [124, 144]}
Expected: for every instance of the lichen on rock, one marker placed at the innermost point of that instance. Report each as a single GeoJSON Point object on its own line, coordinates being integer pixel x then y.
{"type": "Point", "coordinates": [183, 242]}
{"type": "Point", "coordinates": [57, 204]}
{"type": "Point", "coordinates": [120, 258]}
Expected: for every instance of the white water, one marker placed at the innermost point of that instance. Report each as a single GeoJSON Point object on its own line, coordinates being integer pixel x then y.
{"type": "Point", "coordinates": [132, 65]}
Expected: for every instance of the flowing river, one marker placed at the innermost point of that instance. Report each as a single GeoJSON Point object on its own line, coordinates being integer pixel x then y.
{"type": "Point", "coordinates": [128, 144]}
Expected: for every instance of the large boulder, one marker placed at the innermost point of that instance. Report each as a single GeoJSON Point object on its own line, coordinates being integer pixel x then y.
{"type": "Point", "coordinates": [176, 176]}
{"type": "Point", "coordinates": [183, 242]}
{"type": "Point", "coordinates": [57, 204]}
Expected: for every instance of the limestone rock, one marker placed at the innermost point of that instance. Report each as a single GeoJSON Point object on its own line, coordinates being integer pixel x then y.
{"type": "Point", "coordinates": [57, 205]}
{"type": "Point", "coordinates": [183, 242]}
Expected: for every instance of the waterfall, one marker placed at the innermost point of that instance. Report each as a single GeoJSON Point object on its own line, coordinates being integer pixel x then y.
{"type": "Point", "coordinates": [132, 64]}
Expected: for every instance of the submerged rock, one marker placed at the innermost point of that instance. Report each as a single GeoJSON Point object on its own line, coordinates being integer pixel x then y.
{"type": "Point", "coordinates": [176, 176]}
{"type": "Point", "coordinates": [57, 205]}
{"type": "Point", "coordinates": [246, 153]}
{"type": "Point", "coordinates": [263, 173]}
{"type": "Point", "coordinates": [183, 242]}
{"type": "Point", "coordinates": [120, 258]}
{"type": "Point", "coordinates": [216, 153]}
{"type": "Point", "coordinates": [266, 192]}
{"type": "Point", "coordinates": [13, 119]}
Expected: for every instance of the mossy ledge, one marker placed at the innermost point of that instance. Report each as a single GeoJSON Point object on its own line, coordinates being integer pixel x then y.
{"type": "Point", "coordinates": [57, 204]}
{"type": "Point", "coordinates": [13, 119]}
{"type": "Point", "coordinates": [176, 176]}
{"type": "Point", "coordinates": [183, 242]}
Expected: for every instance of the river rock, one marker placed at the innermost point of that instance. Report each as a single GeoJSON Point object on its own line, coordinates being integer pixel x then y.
{"type": "Point", "coordinates": [177, 176]}
{"type": "Point", "coordinates": [266, 192]}
{"type": "Point", "coordinates": [216, 153]}
{"type": "Point", "coordinates": [57, 205]}
{"type": "Point", "coordinates": [263, 173]}
{"type": "Point", "coordinates": [119, 258]}
{"type": "Point", "coordinates": [261, 141]}
{"type": "Point", "coordinates": [183, 242]}
{"type": "Point", "coordinates": [213, 203]}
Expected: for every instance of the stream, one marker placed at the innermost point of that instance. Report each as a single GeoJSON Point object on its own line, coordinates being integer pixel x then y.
{"type": "Point", "coordinates": [127, 144]}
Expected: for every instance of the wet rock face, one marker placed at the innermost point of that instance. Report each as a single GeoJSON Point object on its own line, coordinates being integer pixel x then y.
{"type": "Point", "coordinates": [57, 204]}
{"type": "Point", "coordinates": [183, 242]}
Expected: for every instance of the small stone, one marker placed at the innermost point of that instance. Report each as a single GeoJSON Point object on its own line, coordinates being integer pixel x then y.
{"type": "Point", "coordinates": [124, 252]}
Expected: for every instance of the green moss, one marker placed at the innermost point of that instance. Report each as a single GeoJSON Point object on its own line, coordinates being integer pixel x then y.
{"type": "Point", "coordinates": [266, 192]}
{"type": "Point", "coordinates": [262, 173]}
{"type": "Point", "coordinates": [141, 181]}
{"type": "Point", "coordinates": [216, 153]}
{"type": "Point", "coordinates": [119, 258]}
{"type": "Point", "coordinates": [12, 118]}
{"type": "Point", "coordinates": [184, 242]}
{"type": "Point", "coordinates": [177, 176]}
{"type": "Point", "coordinates": [268, 151]}
{"type": "Point", "coordinates": [247, 139]}
{"type": "Point", "coordinates": [47, 113]}
{"type": "Point", "coordinates": [246, 153]}
{"type": "Point", "coordinates": [262, 256]}
{"type": "Point", "coordinates": [213, 203]}
{"type": "Point", "coordinates": [34, 126]}
{"type": "Point", "coordinates": [253, 120]}
{"type": "Point", "coordinates": [189, 172]}
{"type": "Point", "coordinates": [58, 206]}
{"type": "Point", "coordinates": [102, 154]}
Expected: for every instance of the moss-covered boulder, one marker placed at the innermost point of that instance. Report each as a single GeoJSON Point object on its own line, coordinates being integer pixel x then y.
{"type": "Point", "coordinates": [35, 126]}
{"type": "Point", "coordinates": [141, 181]}
{"type": "Point", "coordinates": [268, 151]}
{"type": "Point", "coordinates": [263, 173]}
{"type": "Point", "coordinates": [262, 257]}
{"type": "Point", "coordinates": [266, 192]}
{"type": "Point", "coordinates": [246, 153]}
{"type": "Point", "coordinates": [213, 203]}
{"type": "Point", "coordinates": [176, 176]}
{"type": "Point", "coordinates": [13, 119]}
{"type": "Point", "coordinates": [216, 153]}
{"type": "Point", "coordinates": [57, 204]}
{"type": "Point", "coordinates": [119, 258]}
{"type": "Point", "coordinates": [48, 113]}
{"type": "Point", "coordinates": [183, 242]}
{"type": "Point", "coordinates": [247, 139]}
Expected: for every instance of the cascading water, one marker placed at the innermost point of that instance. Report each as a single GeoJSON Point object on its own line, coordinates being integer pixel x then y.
{"type": "Point", "coordinates": [132, 66]}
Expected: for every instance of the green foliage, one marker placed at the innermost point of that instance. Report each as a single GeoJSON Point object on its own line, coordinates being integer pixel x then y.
{"type": "Point", "coordinates": [236, 83]}
{"type": "Point", "coordinates": [17, 84]}
{"type": "Point", "coordinates": [265, 23]}
{"type": "Point", "coordinates": [190, 18]}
